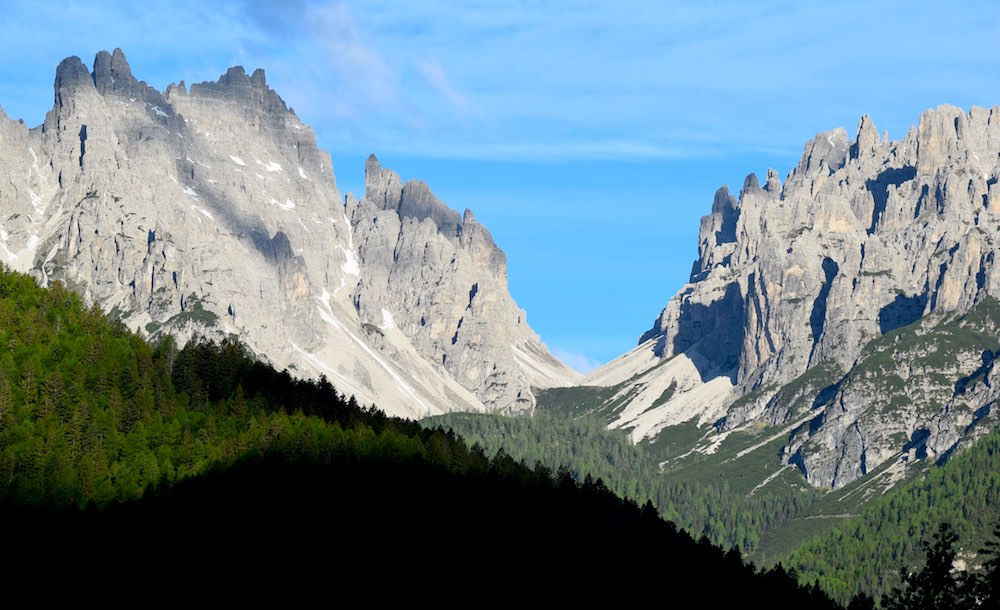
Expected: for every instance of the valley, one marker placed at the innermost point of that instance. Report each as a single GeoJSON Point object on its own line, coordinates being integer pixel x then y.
{"type": "Point", "coordinates": [190, 305]}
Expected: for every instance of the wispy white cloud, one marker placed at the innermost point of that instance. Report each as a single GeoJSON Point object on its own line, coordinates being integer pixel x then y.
{"type": "Point", "coordinates": [560, 80]}
{"type": "Point", "coordinates": [581, 363]}
{"type": "Point", "coordinates": [749, 76]}
{"type": "Point", "coordinates": [437, 79]}
{"type": "Point", "coordinates": [565, 79]}
{"type": "Point", "coordinates": [354, 64]}
{"type": "Point", "coordinates": [546, 152]}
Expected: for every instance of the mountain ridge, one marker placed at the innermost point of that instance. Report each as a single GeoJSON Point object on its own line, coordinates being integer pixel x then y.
{"type": "Point", "coordinates": [210, 210]}
{"type": "Point", "coordinates": [864, 237]}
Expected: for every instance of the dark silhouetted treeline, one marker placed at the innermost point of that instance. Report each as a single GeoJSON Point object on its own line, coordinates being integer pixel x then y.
{"type": "Point", "coordinates": [386, 527]}
{"type": "Point", "coordinates": [940, 584]}
{"type": "Point", "coordinates": [141, 475]}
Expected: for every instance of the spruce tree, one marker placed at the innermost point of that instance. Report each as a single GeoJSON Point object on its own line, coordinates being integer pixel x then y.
{"type": "Point", "coordinates": [985, 586]}
{"type": "Point", "coordinates": [935, 586]}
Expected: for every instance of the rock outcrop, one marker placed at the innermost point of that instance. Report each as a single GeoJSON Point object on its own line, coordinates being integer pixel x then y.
{"type": "Point", "coordinates": [801, 289]}
{"type": "Point", "coordinates": [210, 211]}
{"type": "Point", "coordinates": [439, 278]}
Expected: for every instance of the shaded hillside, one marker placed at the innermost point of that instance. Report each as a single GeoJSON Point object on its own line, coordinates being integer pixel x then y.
{"type": "Point", "coordinates": [150, 474]}
{"type": "Point", "coordinates": [857, 539]}
{"type": "Point", "coordinates": [580, 444]}
{"type": "Point", "coordinates": [389, 527]}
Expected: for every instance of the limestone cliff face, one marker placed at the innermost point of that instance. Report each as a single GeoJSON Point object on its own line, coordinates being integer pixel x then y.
{"type": "Point", "coordinates": [441, 279]}
{"type": "Point", "coordinates": [211, 211]}
{"type": "Point", "coordinates": [798, 286]}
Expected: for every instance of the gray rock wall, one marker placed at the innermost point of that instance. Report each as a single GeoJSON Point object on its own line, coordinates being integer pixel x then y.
{"type": "Point", "coordinates": [863, 238]}
{"type": "Point", "coordinates": [209, 210]}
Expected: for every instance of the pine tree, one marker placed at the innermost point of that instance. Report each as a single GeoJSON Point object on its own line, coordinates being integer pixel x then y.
{"type": "Point", "coordinates": [935, 586]}
{"type": "Point", "coordinates": [985, 586]}
{"type": "Point", "coordinates": [6, 403]}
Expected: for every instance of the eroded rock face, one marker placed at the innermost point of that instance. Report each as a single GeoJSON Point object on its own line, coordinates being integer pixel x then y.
{"type": "Point", "coordinates": [441, 279]}
{"type": "Point", "coordinates": [211, 211]}
{"type": "Point", "coordinates": [863, 238]}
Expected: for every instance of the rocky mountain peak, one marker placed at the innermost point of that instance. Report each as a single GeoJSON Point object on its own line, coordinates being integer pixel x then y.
{"type": "Point", "coordinates": [411, 200]}
{"type": "Point", "coordinates": [382, 186]}
{"type": "Point", "coordinates": [210, 211]}
{"type": "Point", "coordinates": [112, 72]}
{"type": "Point", "coordinates": [823, 155]}
{"type": "Point", "coordinates": [773, 184]}
{"type": "Point", "coordinates": [112, 75]}
{"type": "Point", "coordinates": [716, 229]}
{"type": "Point", "coordinates": [417, 253]}
{"type": "Point", "coordinates": [867, 140]}
{"type": "Point", "coordinates": [71, 75]}
{"type": "Point", "coordinates": [945, 133]}
{"type": "Point", "coordinates": [249, 92]}
{"type": "Point", "coordinates": [751, 185]}
{"type": "Point", "coordinates": [794, 283]}
{"type": "Point", "coordinates": [723, 202]}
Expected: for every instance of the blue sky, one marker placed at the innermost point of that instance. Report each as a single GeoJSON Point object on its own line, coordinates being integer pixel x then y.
{"type": "Point", "coordinates": [589, 136]}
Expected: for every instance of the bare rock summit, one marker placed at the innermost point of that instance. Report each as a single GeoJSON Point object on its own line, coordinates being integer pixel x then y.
{"type": "Point", "coordinates": [209, 210]}
{"type": "Point", "coordinates": [850, 310]}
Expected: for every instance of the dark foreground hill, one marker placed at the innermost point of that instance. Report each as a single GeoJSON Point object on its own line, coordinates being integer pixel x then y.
{"type": "Point", "coordinates": [387, 530]}
{"type": "Point", "coordinates": [146, 475]}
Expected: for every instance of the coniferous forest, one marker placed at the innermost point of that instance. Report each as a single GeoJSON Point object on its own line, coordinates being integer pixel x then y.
{"type": "Point", "coordinates": [583, 446]}
{"type": "Point", "coordinates": [142, 469]}
{"type": "Point", "coordinates": [873, 552]}
{"type": "Point", "coordinates": [131, 472]}
{"type": "Point", "coordinates": [866, 557]}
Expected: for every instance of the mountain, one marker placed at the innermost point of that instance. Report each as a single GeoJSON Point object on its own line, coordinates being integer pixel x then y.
{"type": "Point", "coordinates": [849, 311]}
{"type": "Point", "coordinates": [835, 342]}
{"type": "Point", "coordinates": [210, 211]}
{"type": "Point", "coordinates": [858, 539]}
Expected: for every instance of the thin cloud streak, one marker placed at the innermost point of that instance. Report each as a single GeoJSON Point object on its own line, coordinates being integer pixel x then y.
{"type": "Point", "coordinates": [566, 151]}
{"type": "Point", "coordinates": [436, 78]}
{"type": "Point", "coordinates": [561, 80]}
{"type": "Point", "coordinates": [696, 94]}
{"type": "Point", "coordinates": [581, 363]}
